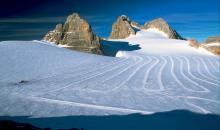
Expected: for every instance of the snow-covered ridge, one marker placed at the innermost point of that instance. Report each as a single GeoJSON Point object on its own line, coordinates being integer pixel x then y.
{"type": "Point", "coordinates": [212, 44]}
{"type": "Point", "coordinates": [150, 33]}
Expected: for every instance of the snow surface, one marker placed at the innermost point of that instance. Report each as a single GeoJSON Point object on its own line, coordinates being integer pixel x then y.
{"type": "Point", "coordinates": [212, 44]}
{"type": "Point", "coordinates": [162, 75]}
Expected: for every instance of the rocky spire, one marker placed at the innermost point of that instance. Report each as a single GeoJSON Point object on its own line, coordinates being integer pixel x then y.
{"type": "Point", "coordinates": [163, 26]}
{"type": "Point", "coordinates": [55, 35]}
{"type": "Point", "coordinates": [77, 34]}
{"type": "Point", "coordinates": [122, 28]}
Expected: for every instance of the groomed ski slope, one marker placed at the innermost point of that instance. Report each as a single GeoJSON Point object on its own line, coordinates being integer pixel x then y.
{"type": "Point", "coordinates": [162, 75]}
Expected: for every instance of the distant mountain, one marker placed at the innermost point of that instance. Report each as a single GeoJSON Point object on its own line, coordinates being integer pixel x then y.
{"type": "Point", "coordinates": [163, 26]}
{"type": "Point", "coordinates": [212, 44]}
{"type": "Point", "coordinates": [75, 34]}
{"type": "Point", "coordinates": [213, 39]}
{"type": "Point", "coordinates": [124, 27]}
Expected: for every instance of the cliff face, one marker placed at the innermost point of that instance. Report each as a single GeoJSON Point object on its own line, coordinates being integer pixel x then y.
{"type": "Point", "coordinates": [122, 28]}
{"type": "Point", "coordinates": [76, 34]}
{"type": "Point", "coordinates": [163, 26]}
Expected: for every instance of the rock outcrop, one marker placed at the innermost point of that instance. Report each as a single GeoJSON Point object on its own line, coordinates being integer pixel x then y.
{"type": "Point", "coordinates": [163, 26]}
{"type": "Point", "coordinates": [55, 35]}
{"type": "Point", "coordinates": [213, 39]}
{"type": "Point", "coordinates": [212, 44]}
{"type": "Point", "coordinates": [75, 34]}
{"type": "Point", "coordinates": [122, 28]}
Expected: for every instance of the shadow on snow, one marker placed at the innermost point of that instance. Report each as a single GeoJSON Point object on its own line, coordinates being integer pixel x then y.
{"type": "Point", "coordinates": [110, 48]}
{"type": "Point", "coordinates": [172, 120]}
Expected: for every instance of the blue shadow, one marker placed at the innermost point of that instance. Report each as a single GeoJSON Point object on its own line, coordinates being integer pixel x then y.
{"type": "Point", "coordinates": [110, 48]}
{"type": "Point", "coordinates": [171, 120]}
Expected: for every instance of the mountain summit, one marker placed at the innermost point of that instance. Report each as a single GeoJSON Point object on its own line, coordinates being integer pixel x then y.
{"type": "Point", "coordinates": [76, 34]}
{"type": "Point", "coordinates": [122, 28]}
{"type": "Point", "coordinates": [163, 26]}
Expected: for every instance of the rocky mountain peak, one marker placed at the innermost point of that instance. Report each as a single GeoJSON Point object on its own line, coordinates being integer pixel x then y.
{"type": "Point", "coordinates": [163, 26]}
{"type": "Point", "coordinates": [59, 28]}
{"type": "Point", "coordinates": [73, 16]}
{"type": "Point", "coordinates": [77, 34]}
{"type": "Point", "coordinates": [122, 28]}
{"type": "Point", "coordinates": [123, 18]}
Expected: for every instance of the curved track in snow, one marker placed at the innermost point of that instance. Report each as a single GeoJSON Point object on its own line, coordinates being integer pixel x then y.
{"type": "Point", "coordinates": [135, 83]}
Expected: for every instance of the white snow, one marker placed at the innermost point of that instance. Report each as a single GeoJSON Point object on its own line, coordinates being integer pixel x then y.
{"type": "Point", "coordinates": [212, 44]}
{"type": "Point", "coordinates": [162, 75]}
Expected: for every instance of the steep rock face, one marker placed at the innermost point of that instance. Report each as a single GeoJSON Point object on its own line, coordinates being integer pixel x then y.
{"type": "Point", "coordinates": [55, 35]}
{"type": "Point", "coordinates": [163, 26]}
{"type": "Point", "coordinates": [75, 34]}
{"type": "Point", "coordinates": [122, 28]}
{"type": "Point", "coordinates": [213, 39]}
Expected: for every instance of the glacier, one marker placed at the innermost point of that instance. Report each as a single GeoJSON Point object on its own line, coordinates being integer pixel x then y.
{"type": "Point", "coordinates": [40, 79]}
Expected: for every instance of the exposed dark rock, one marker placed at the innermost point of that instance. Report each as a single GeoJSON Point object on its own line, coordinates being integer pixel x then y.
{"type": "Point", "coordinates": [122, 28]}
{"type": "Point", "coordinates": [12, 125]}
{"type": "Point", "coordinates": [136, 25]}
{"type": "Point", "coordinates": [76, 34]}
{"type": "Point", "coordinates": [163, 26]}
{"type": "Point", "coordinates": [23, 81]}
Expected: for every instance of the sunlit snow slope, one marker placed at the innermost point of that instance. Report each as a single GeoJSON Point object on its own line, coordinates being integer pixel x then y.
{"type": "Point", "coordinates": [162, 75]}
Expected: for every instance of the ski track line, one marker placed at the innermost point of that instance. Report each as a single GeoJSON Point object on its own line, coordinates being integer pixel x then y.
{"type": "Point", "coordinates": [213, 68]}
{"type": "Point", "coordinates": [207, 70]}
{"type": "Point", "coordinates": [94, 70]}
{"type": "Point", "coordinates": [100, 107]}
{"type": "Point", "coordinates": [93, 90]}
{"type": "Point", "coordinates": [190, 80]}
{"type": "Point", "coordinates": [144, 82]}
{"type": "Point", "coordinates": [176, 78]}
{"type": "Point", "coordinates": [89, 77]}
{"type": "Point", "coordinates": [192, 75]}
{"type": "Point", "coordinates": [203, 75]}
{"type": "Point", "coordinates": [216, 69]}
{"type": "Point", "coordinates": [199, 98]}
{"type": "Point", "coordinates": [122, 71]}
{"type": "Point", "coordinates": [162, 87]}
{"type": "Point", "coordinates": [125, 81]}
{"type": "Point", "coordinates": [190, 97]}
{"type": "Point", "coordinates": [84, 68]}
{"type": "Point", "coordinates": [71, 68]}
{"type": "Point", "coordinates": [86, 73]}
{"type": "Point", "coordinates": [196, 106]}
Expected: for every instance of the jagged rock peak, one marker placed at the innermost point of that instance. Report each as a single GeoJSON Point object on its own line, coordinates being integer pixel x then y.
{"type": "Point", "coordinates": [163, 26]}
{"type": "Point", "coordinates": [124, 18]}
{"type": "Point", "coordinates": [73, 16]}
{"type": "Point", "coordinates": [122, 28]}
{"type": "Point", "coordinates": [76, 33]}
{"type": "Point", "coordinates": [55, 35]}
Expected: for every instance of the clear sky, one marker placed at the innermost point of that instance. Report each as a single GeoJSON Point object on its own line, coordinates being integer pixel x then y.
{"type": "Point", "coordinates": [31, 19]}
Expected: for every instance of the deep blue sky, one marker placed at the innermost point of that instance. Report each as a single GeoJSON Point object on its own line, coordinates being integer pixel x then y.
{"type": "Point", "coordinates": [31, 19]}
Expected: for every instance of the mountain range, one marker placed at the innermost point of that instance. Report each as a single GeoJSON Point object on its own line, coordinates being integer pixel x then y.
{"type": "Point", "coordinates": [77, 34]}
